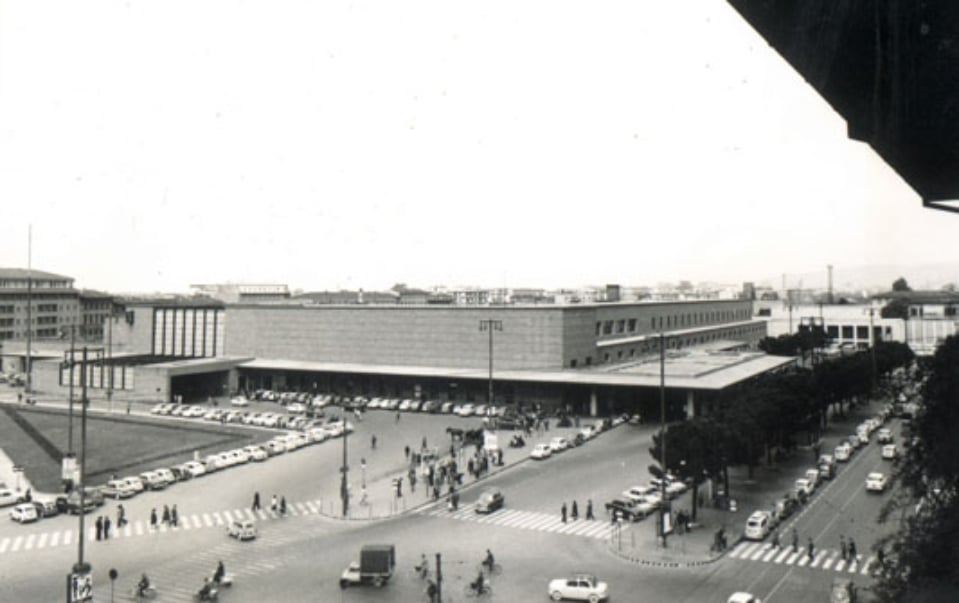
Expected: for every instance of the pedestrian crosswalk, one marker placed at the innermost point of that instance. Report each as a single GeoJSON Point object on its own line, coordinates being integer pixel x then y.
{"type": "Point", "coordinates": [822, 559]}
{"type": "Point", "coordinates": [524, 520]}
{"type": "Point", "coordinates": [65, 537]}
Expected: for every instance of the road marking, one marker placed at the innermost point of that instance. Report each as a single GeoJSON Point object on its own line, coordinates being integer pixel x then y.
{"type": "Point", "coordinates": [301, 508]}
{"type": "Point", "coordinates": [91, 533]}
{"type": "Point", "coordinates": [30, 540]}
{"type": "Point", "coordinates": [803, 560]}
{"type": "Point", "coordinates": [852, 566]}
{"type": "Point", "coordinates": [16, 544]}
{"type": "Point", "coordinates": [207, 520]}
{"type": "Point", "coordinates": [793, 556]}
{"type": "Point", "coordinates": [828, 563]}
{"type": "Point", "coordinates": [262, 515]}
{"type": "Point", "coordinates": [4, 544]}
{"type": "Point", "coordinates": [55, 539]}
{"type": "Point", "coordinates": [865, 566]}
{"type": "Point", "coordinates": [779, 558]}
{"type": "Point", "coordinates": [822, 555]}
{"type": "Point", "coordinates": [738, 550]}
{"type": "Point", "coordinates": [759, 552]}
{"type": "Point", "coordinates": [312, 507]}
{"type": "Point", "coordinates": [228, 516]}
{"type": "Point", "coordinates": [772, 553]}
{"type": "Point", "coordinates": [67, 537]}
{"type": "Point", "coordinates": [139, 528]}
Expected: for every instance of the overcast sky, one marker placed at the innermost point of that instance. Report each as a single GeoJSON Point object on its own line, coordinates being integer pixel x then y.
{"type": "Point", "coordinates": [518, 143]}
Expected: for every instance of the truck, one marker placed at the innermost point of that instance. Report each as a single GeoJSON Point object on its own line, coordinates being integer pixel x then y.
{"type": "Point", "coordinates": [375, 566]}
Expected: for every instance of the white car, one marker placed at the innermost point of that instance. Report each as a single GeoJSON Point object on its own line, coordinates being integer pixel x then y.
{"type": "Point", "coordinates": [558, 444]}
{"type": "Point", "coordinates": [804, 487]}
{"type": "Point", "coordinates": [842, 452]}
{"type": "Point", "coordinates": [194, 468]}
{"type": "Point", "coordinates": [541, 451]}
{"type": "Point", "coordinates": [674, 487]}
{"type": "Point", "coordinates": [742, 597]}
{"type": "Point", "coordinates": [876, 482]}
{"type": "Point", "coordinates": [8, 497]}
{"type": "Point", "coordinates": [813, 476]}
{"type": "Point", "coordinates": [638, 493]}
{"type": "Point", "coordinates": [317, 434]}
{"type": "Point", "coordinates": [758, 525]}
{"type": "Point", "coordinates": [118, 488]}
{"type": "Point", "coordinates": [889, 451]}
{"type": "Point", "coordinates": [135, 482]}
{"type": "Point", "coordinates": [588, 432]}
{"type": "Point", "coordinates": [296, 408]}
{"type": "Point", "coordinates": [256, 453]}
{"type": "Point", "coordinates": [239, 401]}
{"type": "Point", "coordinates": [465, 410]}
{"type": "Point", "coordinates": [24, 513]}
{"type": "Point", "coordinates": [162, 409]}
{"type": "Point", "coordinates": [885, 435]}
{"type": "Point", "coordinates": [581, 587]}
{"type": "Point", "coordinates": [193, 412]}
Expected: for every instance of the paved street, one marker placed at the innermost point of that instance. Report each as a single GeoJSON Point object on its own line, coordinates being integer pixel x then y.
{"type": "Point", "coordinates": [300, 557]}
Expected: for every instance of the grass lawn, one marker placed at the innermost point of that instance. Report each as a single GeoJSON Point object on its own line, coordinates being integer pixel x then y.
{"type": "Point", "coordinates": [37, 440]}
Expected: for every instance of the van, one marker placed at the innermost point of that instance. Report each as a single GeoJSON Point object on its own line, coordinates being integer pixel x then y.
{"type": "Point", "coordinates": [758, 525]}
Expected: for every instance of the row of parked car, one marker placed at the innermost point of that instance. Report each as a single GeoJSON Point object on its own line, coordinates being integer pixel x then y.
{"type": "Point", "coordinates": [242, 417]}
{"type": "Point", "coordinates": [760, 523]}
{"type": "Point", "coordinates": [557, 444]}
{"type": "Point", "coordinates": [640, 501]}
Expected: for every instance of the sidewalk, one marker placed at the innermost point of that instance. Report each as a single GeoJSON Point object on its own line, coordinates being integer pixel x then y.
{"type": "Point", "coordinates": [639, 543]}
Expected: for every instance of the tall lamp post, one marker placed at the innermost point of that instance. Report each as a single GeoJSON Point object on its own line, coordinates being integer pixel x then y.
{"type": "Point", "coordinates": [490, 325]}
{"type": "Point", "coordinates": [663, 510]}
{"type": "Point", "coordinates": [872, 346]}
{"type": "Point", "coordinates": [344, 483]}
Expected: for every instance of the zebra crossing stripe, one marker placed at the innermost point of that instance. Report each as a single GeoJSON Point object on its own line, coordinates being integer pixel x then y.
{"type": "Point", "coordinates": [822, 555]}
{"type": "Point", "coordinates": [792, 557]}
{"type": "Point", "coordinates": [761, 550]}
{"type": "Point", "coordinates": [139, 528]}
{"type": "Point", "coordinates": [772, 553]}
{"type": "Point", "coordinates": [185, 524]}
{"type": "Point", "coordinates": [4, 544]}
{"type": "Point", "coordinates": [542, 522]}
{"type": "Point", "coordinates": [67, 537]}
{"type": "Point", "coordinates": [228, 516]}
{"type": "Point", "coordinates": [865, 566]}
{"type": "Point", "coordinates": [262, 514]}
{"type": "Point", "coordinates": [828, 563]}
{"type": "Point", "coordinates": [55, 539]}
{"type": "Point", "coordinates": [91, 533]}
{"type": "Point", "coordinates": [16, 544]}
{"type": "Point", "coordinates": [804, 558]}
{"type": "Point", "coordinates": [42, 542]}
{"type": "Point", "coordinates": [840, 565]}
{"type": "Point", "coordinates": [738, 550]}
{"type": "Point", "coordinates": [517, 518]}
{"type": "Point", "coordinates": [30, 540]}
{"type": "Point", "coordinates": [852, 566]}
{"type": "Point", "coordinates": [312, 507]}
{"type": "Point", "coordinates": [250, 514]}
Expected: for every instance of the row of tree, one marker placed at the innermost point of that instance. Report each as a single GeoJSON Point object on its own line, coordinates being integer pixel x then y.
{"type": "Point", "coordinates": [764, 417]}
{"type": "Point", "coordinates": [922, 557]}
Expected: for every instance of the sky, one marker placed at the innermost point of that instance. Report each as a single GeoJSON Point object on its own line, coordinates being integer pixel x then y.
{"type": "Point", "coordinates": [326, 145]}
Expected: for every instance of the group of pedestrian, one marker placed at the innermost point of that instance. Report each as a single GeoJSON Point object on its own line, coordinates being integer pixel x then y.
{"type": "Point", "coordinates": [170, 517]}
{"type": "Point", "coordinates": [103, 527]}
{"type": "Point", "coordinates": [574, 511]}
{"type": "Point", "coordinates": [847, 549]}
{"type": "Point", "coordinates": [277, 506]}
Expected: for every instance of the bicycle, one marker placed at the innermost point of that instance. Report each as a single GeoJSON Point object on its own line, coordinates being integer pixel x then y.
{"type": "Point", "coordinates": [470, 591]}
{"type": "Point", "coordinates": [420, 572]}
{"type": "Point", "coordinates": [495, 570]}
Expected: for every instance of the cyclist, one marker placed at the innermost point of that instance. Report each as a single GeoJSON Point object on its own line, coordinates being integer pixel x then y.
{"type": "Point", "coordinates": [431, 591]}
{"type": "Point", "coordinates": [478, 585]}
{"type": "Point", "coordinates": [488, 562]}
{"type": "Point", "coordinates": [143, 585]}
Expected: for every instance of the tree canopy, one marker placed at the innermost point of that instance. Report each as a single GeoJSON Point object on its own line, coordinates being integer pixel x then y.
{"type": "Point", "coordinates": [900, 284]}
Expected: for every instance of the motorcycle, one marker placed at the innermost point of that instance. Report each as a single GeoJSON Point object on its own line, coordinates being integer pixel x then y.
{"type": "Point", "coordinates": [206, 594]}
{"type": "Point", "coordinates": [517, 442]}
{"type": "Point", "coordinates": [148, 593]}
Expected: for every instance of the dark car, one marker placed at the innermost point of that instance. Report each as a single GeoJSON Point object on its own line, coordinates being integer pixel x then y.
{"type": "Point", "coordinates": [70, 503]}
{"type": "Point", "coordinates": [489, 501]}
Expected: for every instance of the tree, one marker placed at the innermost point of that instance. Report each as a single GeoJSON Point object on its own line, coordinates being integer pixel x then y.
{"type": "Point", "coordinates": [900, 284]}
{"type": "Point", "coordinates": [897, 308]}
{"type": "Point", "coordinates": [921, 560]}
{"type": "Point", "coordinates": [692, 452]}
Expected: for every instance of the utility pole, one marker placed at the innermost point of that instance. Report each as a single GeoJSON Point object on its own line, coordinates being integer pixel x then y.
{"type": "Point", "coordinates": [344, 484]}
{"type": "Point", "coordinates": [872, 347]}
{"type": "Point", "coordinates": [80, 578]}
{"type": "Point", "coordinates": [490, 325]}
{"type": "Point", "coordinates": [439, 578]}
{"type": "Point", "coordinates": [29, 365]}
{"type": "Point", "coordinates": [73, 342]}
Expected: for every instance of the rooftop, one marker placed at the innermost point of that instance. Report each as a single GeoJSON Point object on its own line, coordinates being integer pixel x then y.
{"type": "Point", "coordinates": [23, 273]}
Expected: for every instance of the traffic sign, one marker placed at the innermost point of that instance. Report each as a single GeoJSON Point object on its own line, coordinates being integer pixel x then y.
{"type": "Point", "coordinates": [80, 587]}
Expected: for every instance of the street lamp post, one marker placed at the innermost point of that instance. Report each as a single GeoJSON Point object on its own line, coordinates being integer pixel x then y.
{"type": "Point", "coordinates": [872, 346]}
{"type": "Point", "coordinates": [344, 484]}
{"type": "Point", "coordinates": [662, 435]}
{"type": "Point", "coordinates": [490, 325]}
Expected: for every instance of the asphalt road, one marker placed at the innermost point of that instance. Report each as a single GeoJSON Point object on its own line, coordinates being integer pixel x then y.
{"type": "Point", "coordinates": [300, 557]}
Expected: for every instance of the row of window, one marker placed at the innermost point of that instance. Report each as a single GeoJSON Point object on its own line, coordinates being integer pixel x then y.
{"type": "Point", "coordinates": [46, 307]}
{"type": "Point", "coordinates": [6, 334]}
{"type": "Point", "coordinates": [649, 346]}
{"type": "Point", "coordinates": [861, 332]}
{"type": "Point", "coordinates": [689, 319]}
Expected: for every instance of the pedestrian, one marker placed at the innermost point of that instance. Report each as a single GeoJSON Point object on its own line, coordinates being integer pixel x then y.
{"type": "Point", "coordinates": [273, 504]}
{"type": "Point", "coordinates": [575, 511]}
{"type": "Point", "coordinates": [121, 516]}
{"type": "Point", "coordinates": [28, 495]}
{"type": "Point", "coordinates": [589, 509]}
{"type": "Point", "coordinates": [776, 539]}
{"type": "Point", "coordinates": [99, 527]}
{"type": "Point", "coordinates": [397, 416]}
{"type": "Point", "coordinates": [357, 414]}
{"type": "Point", "coordinates": [174, 517]}
{"type": "Point", "coordinates": [852, 551]}
{"type": "Point", "coordinates": [881, 557]}
{"type": "Point", "coordinates": [153, 518]}
{"type": "Point", "coordinates": [499, 457]}
{"type": "Point", "coordinates": [166, 514]}
{"type": "Point", "coordinates": [282, 505]}
{"type": "Point", "coordinates": [563, 512]}
{"type": "Point", "coordinates": [436, 492]}
{"type": "Point", "coordinates": [424, 443]}
{"type": "Point", "coordinates": [406, 451]}
{"type": "Point", "coordinates": [795, 541]}
{"type": "Point", "coordinates": [256, 501]}
{"type": "Point", "coordinates": [456, 500]}
{"type": "Point", "coordinates": [810, 550]}
{"type": "Point", "coordinates": [842, 547]}
{"type": "Point", "coordinates": [106, 528]}
{"type": "Point", "coordinates": [412, 480]}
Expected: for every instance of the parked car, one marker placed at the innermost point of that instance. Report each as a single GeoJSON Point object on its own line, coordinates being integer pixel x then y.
{"type": "Point", "coordinates": [581, 587]}
{"type": "Point", "coordinates": [92, 498]}
{"type": "Point", "coordinates": [256, 453]}
{"type": "Point", "coordinates": [166, 475]}
{"type": "Point", "coordinates": [47, 504]}
{"type": "Point", "coordinates": [884, 436]}
{"type": "Point", "coordinates": [629, 510]}
{"type": "Point", "coordinates": [889, 452]}
{"type": "Point", "coordinates": [9, 497]}
{"type": "Point", "coordinates": [135, 482]}
{"type": "Point", "coordinates": [758, 525]}
{"type": "Point", "coordinates": [843, 452]}
{"type": "Point", "coordinates": [239, 401]}
{"type": "Point", "coordinates": [785, 507]}
{"type": "Point", "coordinates": [195, 468]}
{"type": "Point", "coordinates": [540, 452]}
{"type": "Point", "coordinates": [24, 513]}
{"type": "Point", "coordinates": [742, 597]}
{"type": "Point", "coordinates": [804, 488]}
{"type": "Point", "coordinates": [153, 480]}
{"type": "Point", "coordinates": [637, 493]}
{"type": "Point", "coordinates": [489, 501]}
{"type": "Point", "coordinates": [242, 529]}
{"type": "Point", "coordinates": [813, 476]}
{"type": "Point", "coordinates": [118, 488]}
{"type": "Point", "coordinates": [558, 444]}
{"type": "Point", "coordinates": [876, 482]}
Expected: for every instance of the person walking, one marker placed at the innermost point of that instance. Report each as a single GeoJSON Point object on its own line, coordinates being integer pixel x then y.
{"type": "Point", "coordinates": [373, 442]}
{"type": "Point", "coordinates": [256, 501]}
{"type": "Point", "coordinates": [810, 551]}
{"type": "Point", "coordinates": [106, 528]}
{"type": "Point", "coordinates": [397, 416]}
{"type": "Point", "coordinates": [575, 511]}
{"type": "Point", "coordinates": [795, 541]}
{"type": "Point", "coordinates": [153, 518]}
{"type": "Point", "coordinates": [423, 447]}
{"type": "Point", "coordinates": [842, 547]}
{"type": "Point", "coordinates": [273, 504]}
{"type": "Point", "coordinates": [852, 551]}
{"type": "Point", "coordinates": [563, 512]}
{"type": "Point", "coordinates": [589, 509]}
{"type": "Point", "coordinates": [121, 516]}
{"type": "Point", "coordinates": [283, 505]}
{"type": "Point", "coordinates": [174, 517]}
{"type": "Point", "coordinates": [99, 527]}
{"type": "Point", "coordinates": [166, 514]}
{"type": "Point", "coordinates": [776, 539]}
{"type": "Point", "coordinates": [406, 451]}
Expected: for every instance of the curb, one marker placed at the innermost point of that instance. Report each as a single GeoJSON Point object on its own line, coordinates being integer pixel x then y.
{"type": "Point", "coordinates": [671, 564]}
